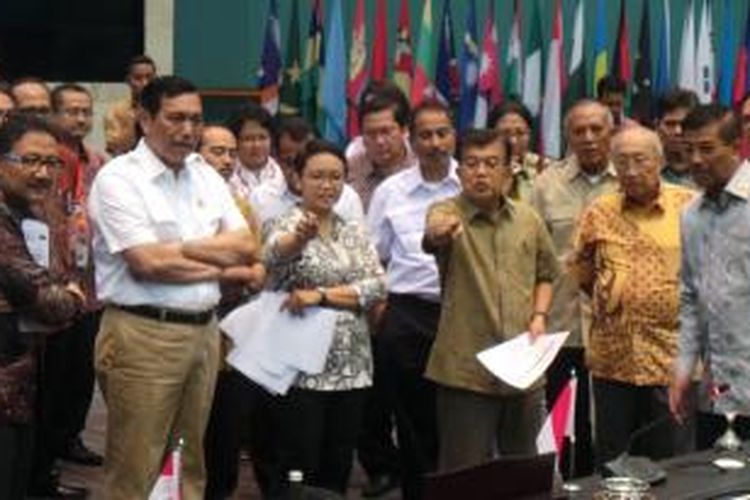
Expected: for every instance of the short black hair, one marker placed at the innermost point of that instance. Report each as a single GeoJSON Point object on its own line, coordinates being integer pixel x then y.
{"type": "Point", "coordinates": [477, 138]}
{"type": "Point", "coordinates": [673, 99]}
{"type": "Point", "coordinates": [295, 126]}
{"type": "Point", "coordinates": [140, 59]}
{"type": "Point", "coordinates": [428, 105]}
{"type": "Point", "coordinates": [708, 114]}
{"type": "Point", "coordinates": [383, 94]}
{"type": "Point", "coordinates": [610, 84]}
{"type": "Point", "coordinates": [57, 93]}
{"type": "Point", "coordinates": [250, 112]}
{"type": "Point", "coordinates": [164, 87]}
{"type": "Point", "coordinates": [512, 106]}
{"type": "Point", "coordinates": [19, 124]}
{"type": "Point", "coordinates": [316, 147]}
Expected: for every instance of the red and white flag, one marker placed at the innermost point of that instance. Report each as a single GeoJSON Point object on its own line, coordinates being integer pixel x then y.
{"type": "Point", "coordinates": [560, 422]}
{"type": "Point", "coordinates": [168, 485]}
{"type": "Point", "coordinates": [554, 89]}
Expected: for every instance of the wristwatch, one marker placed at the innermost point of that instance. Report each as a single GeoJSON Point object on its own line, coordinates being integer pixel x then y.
{"type": "Point", "coordinates": [323, 296]}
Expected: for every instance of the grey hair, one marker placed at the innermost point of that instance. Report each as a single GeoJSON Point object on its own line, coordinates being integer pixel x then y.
{"type": "Point", "coordinates": [583, 103]}
{"type": "Point", "coordinates": [651, 136]}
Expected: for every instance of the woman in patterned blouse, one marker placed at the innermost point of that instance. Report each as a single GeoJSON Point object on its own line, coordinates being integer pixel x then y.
{"type": "Point", "coordinates": [323, 261]}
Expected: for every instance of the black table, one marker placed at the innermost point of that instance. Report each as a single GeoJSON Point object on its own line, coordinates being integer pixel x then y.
{"type": "Point", "coordinates": [689, 477]}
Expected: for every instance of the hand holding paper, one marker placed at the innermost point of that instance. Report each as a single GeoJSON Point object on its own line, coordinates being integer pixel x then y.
{"type": "Point", "coordinates": [521, 361]}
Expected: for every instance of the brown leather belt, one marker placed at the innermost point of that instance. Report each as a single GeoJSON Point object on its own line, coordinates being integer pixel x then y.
{"type": "Point", "coordinates": [169, 315]}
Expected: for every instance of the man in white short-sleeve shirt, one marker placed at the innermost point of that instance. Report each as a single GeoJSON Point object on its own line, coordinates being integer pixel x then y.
{"type": "Point", "coordinates": [166, 231]}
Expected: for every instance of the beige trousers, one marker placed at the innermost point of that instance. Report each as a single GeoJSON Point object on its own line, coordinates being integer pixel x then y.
{"type": "Point", "coordinates": [158, 380]}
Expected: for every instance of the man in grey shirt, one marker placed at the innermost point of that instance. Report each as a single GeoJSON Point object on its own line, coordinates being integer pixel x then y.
{"type": "Point", "coordinates": [715, 288]}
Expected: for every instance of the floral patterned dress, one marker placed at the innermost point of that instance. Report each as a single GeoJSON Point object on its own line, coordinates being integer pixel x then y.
{"type": "Point", "coordinates": [346, 257]}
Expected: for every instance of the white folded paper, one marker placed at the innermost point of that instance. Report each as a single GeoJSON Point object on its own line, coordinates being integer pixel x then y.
{"type": "Point", "coordinates": [518, 361]}
{"type": "Point", "coordinates": [271, 347]}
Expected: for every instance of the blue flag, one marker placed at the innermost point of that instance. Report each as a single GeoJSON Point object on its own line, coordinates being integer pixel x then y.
{"type": "Point", "coordinates": [469, 70]}
{"type": "Point", "coordinates": [270, 62]}
{"type": "Point", "coordinates": [662, 79]}
{"type": "Point", "coordinates": [726, 55]}
{"type": "Point", "coordinates": [334, 79]}
{"type": "Point", "coordinates": [446, 68]}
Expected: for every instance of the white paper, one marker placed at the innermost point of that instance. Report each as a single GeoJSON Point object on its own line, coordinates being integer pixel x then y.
{"type": "Point", "coordinates": [36, 236]}
{"type": "Point", "coordinates": [518, 361]}
{"type": "Point", "coordinates": [271, 347]}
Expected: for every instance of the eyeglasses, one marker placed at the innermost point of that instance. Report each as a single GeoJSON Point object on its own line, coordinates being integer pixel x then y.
{"type": "Point", "coordinates": [34, 161]}
{"type": "Point", "coordinates": [474, 162]}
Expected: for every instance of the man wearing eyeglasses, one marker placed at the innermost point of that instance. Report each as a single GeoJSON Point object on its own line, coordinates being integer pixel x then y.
{"type": "Point", "coordinates": [626, 257]}
{"type": "Point", "coordinates": [68, 375]}
{"type": "Point", "coordinates": [166, 233]}
{"type": "Point", "coordinates": [36, 296]}
{"type": "Point", "coordinates": [497, 264]}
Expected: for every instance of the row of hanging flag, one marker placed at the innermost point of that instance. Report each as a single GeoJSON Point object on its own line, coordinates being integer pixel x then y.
{"type": "Point", "coordinates": [323, 86]}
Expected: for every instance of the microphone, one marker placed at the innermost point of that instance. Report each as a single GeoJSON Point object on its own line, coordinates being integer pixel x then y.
{"type": "Point", "coordinates": [643, 468]}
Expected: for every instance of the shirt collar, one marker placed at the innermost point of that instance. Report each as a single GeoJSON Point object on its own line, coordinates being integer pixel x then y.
{"type": "Point", "coordinates": [739, 184]}
{"type": "Point", "coordinates": [415, 180]}
{"type": "Point", "coordinates": [152, 164]}
{"type": "Point", "coordinates": [659, 204]}
{"type": "Point", "coordinates": [573, 169]}
{"type": "Point", "coordinates": [506, 207]}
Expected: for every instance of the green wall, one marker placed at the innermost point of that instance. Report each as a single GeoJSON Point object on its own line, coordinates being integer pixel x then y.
{"type": "Point", "coordinates": [218, 43]}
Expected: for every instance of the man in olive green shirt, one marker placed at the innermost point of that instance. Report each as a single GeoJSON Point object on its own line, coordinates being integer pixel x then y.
{"type": "Point", "coordinates": [497, 264]}
{"type": "Point", "coordinates": [561, 193]}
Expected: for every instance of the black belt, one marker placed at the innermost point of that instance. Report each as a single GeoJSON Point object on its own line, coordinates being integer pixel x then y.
{"type": "Point", "coordinates": [169, 315]}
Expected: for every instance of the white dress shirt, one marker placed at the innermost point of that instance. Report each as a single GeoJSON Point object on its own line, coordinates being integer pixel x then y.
{"type": "Point", "coordinates": [137, 200]}
{"type": "Point", "coordinates": [268, 202]}
{"type": "Point", "coordinates": [396, 219]}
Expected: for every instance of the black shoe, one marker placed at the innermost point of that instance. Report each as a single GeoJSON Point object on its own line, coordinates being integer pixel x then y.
{"type": "Point", "coordinates": [78, 453]}
{"type": "Point", "coordinates": [59, 490]}
{"type": "Point", "coordinates": [379, 485]}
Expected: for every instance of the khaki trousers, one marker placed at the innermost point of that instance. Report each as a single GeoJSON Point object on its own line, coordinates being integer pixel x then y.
{"type": "Point", "coordinates": [158, 380]}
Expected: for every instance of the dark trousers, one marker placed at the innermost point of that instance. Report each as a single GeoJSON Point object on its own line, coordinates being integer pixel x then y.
{"type": "Point", "coordinates": [474, 427]}
{"type": "Point", "coordinates": [558, 375]}
{"type": "Point", "coordinates": [376, 451]}
{"type": "Point", "coordinates": [622, 409]}
{"type": "Point", "coordinates": [66, 385]}
{"type": "Point", "coordinates": [16, 451]}
{"type": "Point", "coordinates": [240, 404]}
{"type": "Point", "coordinates": [409, 329]}
{"type": "Point", "coordinates": [318, 435]}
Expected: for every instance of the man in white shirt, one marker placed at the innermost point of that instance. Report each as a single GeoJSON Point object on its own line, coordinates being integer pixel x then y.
{"type": "Point", "coordinates": [396, 219]}
{"type": "Point", "coordinates": [270, 200]}
{"type": "Point", "coordinates": [253, 128]}
{"type": "Point", "coordinates": [166, 231]}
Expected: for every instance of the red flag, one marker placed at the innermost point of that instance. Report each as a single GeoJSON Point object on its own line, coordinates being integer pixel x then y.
{"type": "Point", "coordinates": [168, 484]}
{"type": "Point", "coordinates": [380, 43]}
{"type": "Point", "coordinates": [489, 92]}
{"type": "Point", "coordinates": [621, 62]}
{"type": "Point", "coordinates": [741, 69]}
{"type": "Point", "coordinates": [357, 68]}
{"type": "Point", "coordinates": [402, 67]}
{"type": "Point", "coordinates": [560, 422]}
